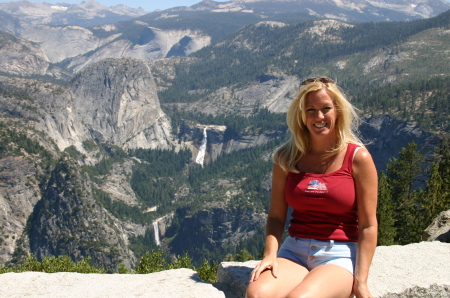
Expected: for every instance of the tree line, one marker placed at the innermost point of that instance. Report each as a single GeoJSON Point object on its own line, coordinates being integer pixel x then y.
{"type": "Point", "coordinates": [413, 190]}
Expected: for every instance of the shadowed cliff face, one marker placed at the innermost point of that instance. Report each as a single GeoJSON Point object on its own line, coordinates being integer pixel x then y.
{"type": "Point", "coordinates": [216, 227]}
{"type": "Point", "coordinates": [386, 136]}
{"type": "Point", "coordinates": [68, 221]}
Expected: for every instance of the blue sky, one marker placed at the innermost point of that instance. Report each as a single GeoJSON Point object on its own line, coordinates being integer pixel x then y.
{"type": "Point", "coordinates": [148, 5]}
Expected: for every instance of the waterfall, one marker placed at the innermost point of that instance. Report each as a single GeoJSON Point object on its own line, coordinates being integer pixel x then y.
{"type": "Point", "coordinates": [156, 228]}
{"type": "Point", "coordinates": [201, 152]}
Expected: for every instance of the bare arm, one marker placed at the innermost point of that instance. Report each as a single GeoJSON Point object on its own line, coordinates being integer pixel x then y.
{"type": "Point", "coordinates": [366, 184]}
{"type": "Point", "coordinates": [275, 224]}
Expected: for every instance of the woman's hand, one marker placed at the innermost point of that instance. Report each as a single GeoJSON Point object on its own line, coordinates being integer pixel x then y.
{"type": "Point", "coordinates": [266, 264]}
{"type": "Point", "coordinates": [361, 290]}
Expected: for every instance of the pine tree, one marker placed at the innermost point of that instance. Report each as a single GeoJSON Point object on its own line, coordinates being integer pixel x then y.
{"type": "Point", "coordinates": [442, 159]}
{"type": "Point", "coordinates": [385, 212]}
{"type": "Point", "coordinates": [436, 197]}
{"type": "Point", "coordinates": [403, 175]}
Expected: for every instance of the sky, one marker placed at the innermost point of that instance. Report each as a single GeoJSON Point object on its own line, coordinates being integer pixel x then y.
{"type": "Point", "coordinates": [148, 5]}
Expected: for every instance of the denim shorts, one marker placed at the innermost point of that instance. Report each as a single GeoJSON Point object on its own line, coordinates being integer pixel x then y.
{"type": "Point", "coordinates": [311, 253]}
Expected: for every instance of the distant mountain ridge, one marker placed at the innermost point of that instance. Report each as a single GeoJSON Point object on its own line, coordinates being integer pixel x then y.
{"type": "Point", "coordinates": [87, 13]}
{"type": "Point", "coordinates": [355, 10]}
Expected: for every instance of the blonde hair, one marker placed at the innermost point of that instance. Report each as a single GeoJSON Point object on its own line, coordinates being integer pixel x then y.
{"type": "Point", "coordinates": [288, 155]}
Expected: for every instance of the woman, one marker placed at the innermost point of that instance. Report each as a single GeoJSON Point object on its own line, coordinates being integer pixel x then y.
{"type": "Point", "coordinates": [329, 179]}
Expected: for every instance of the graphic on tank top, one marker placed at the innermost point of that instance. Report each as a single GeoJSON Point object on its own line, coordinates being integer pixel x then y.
{"type": "Point", "coordinates": [315, 186]}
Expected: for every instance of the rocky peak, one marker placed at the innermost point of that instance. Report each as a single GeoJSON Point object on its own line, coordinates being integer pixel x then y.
{"type": "Point", "coordinates": [68, 207]}
{"type": "Point", "coordinates": [112, 101]}
{"type": "Point", "coordinates": [86, 13]}
{"type": "Point", "coordinates": [92, 5]}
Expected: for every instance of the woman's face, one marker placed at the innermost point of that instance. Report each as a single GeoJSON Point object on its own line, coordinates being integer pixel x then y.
{"type": "Point", "coordinates": [320, 113]}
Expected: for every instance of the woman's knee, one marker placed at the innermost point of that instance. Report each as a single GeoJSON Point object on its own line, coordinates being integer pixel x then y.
{"type": "Point", "coordinates": [257, 290]}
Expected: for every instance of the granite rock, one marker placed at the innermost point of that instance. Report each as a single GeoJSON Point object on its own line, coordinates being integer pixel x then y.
{"type": "Point", "coordinates": [414, 270]}
{"type": "Point", "coordinates": [171, 283]}
{"type": "Point", "coordinates": [439, 229]}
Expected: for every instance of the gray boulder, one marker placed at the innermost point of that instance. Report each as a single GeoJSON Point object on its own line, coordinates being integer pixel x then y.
{"type": "Point", "coordinates": [414, 270]}
{"type": "Point", "coordinates": [439, 229]}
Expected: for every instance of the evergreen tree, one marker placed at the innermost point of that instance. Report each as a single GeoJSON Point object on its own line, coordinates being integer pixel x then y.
{"type": "Point", "coordinates": [436, 197]}
{"type": "Point", "coordinates": [244, 256]}
{"type": "Point", "coordinates": [385, 212]}
{"type": "Point", "coordinates": [403, 175]}
{"type": "Point", "coordinates": [442, 159]}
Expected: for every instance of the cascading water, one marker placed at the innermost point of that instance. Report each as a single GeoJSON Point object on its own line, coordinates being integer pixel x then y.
{"type": "Point", "coordinates": [156, 228]}
{"type": "Point", "coordinates": [201, 152]}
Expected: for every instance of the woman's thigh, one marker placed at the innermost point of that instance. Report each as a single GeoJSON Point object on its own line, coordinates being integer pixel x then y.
{"type": "Point", "coordinates": [290, 275]}
{"type": "Point", "coordinates": [325, 281]}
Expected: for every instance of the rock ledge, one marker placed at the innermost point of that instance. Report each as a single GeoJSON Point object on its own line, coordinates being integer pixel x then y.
{"type": "Point", "coordinates": [414, 270]}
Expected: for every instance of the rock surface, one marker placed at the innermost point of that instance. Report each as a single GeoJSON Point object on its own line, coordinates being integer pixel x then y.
{"type": "Point", "coordinates": [80, 47]}
{"type": "Point", "coordinates": [24, 58]}
{"type": "Point", "coordinates": [439, 229]}
{"type": "Point", "coordinates": [414, 270]}
{"type": "Point", "coordinates": [112, 101]}
{"type": "Point", "coordinates": [172, 283]}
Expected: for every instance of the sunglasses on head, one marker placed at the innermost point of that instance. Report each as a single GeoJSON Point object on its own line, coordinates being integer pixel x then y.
{"type": "Point", "coordinates": [323, 80]}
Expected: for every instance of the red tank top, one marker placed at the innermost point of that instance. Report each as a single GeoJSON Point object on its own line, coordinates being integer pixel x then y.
{"type": "Point", "coordinates": [324, 204]}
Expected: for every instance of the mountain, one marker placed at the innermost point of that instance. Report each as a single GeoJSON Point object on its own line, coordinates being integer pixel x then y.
{"type": "Point", "coordinates": [349, 11]}
{"type": "Point", "coordinates": [24, 58]}
{"type": "Point", "coordinates": [75, 47]}
{"type": "Point", "coordinates": [179, 31]}
{"type": "Point", "coordinates": [131, 155]}
{"type": "Point", "coordinates": [88, 13]}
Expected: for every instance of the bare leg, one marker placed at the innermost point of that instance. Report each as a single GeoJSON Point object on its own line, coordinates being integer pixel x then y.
{"type": "Point", "coordinates": [325, 281]}
{"type": "Point", "coordinates": [290, 275]}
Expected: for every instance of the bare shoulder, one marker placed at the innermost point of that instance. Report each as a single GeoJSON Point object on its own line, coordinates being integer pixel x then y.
{"type": "Point", "coordinates": [362, 156]}
{"type": "Point", "coordinates": [363, 162]}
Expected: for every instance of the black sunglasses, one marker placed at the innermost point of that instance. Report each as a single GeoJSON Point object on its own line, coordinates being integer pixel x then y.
{"type": "Point", "coordinates": [323, 80]}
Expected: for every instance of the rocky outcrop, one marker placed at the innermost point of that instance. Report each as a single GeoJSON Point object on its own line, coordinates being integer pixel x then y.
{"type": "Point", "coordinates": [272, 91]}
{"type": "Point", "coordinates": [69, 221]}
{"type": "Point", "coordinates": [19, 192]}
{"type": "Point", "coordinates": [113, 101]}
{"type": "Point", "coordinates": [171, 283]}
{"type": "Point", "coordinates": [439, 229]}
{"type": "Point", "coordinates": [117, 184]}
{"type": "Point", "coordinates": [216, 227]}
{"type": "Point", "coordinates": [24, 58]}
{"type": "Point", "coordinates": [385, 136]}
{"type": "Point", "coordinates": [414, 270]}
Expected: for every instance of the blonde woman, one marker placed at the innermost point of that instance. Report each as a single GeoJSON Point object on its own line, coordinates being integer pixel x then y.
{"type": "Point", "coordinates": [329, 179]}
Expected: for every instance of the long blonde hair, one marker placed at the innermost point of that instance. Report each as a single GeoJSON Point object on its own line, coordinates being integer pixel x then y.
{"type": "Point", "coordinates": [288, 155]}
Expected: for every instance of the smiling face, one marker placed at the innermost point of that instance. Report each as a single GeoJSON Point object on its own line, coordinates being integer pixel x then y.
{"type": "Point", "coordinates": [321, 114]}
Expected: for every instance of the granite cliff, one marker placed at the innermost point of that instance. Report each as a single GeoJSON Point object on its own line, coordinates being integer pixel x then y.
{"type": "Point", "coordinates": [113, 101]}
